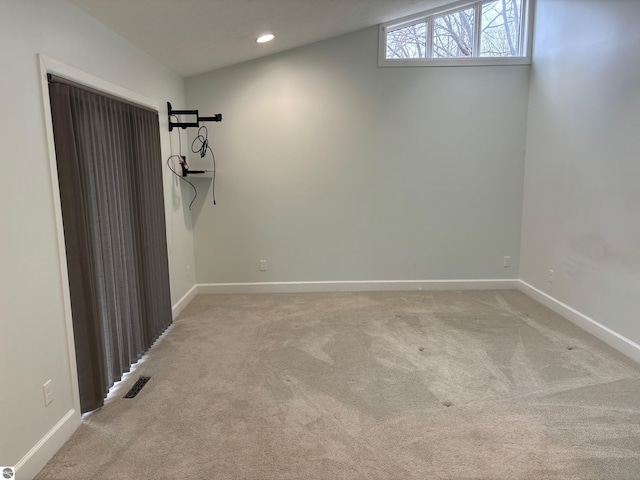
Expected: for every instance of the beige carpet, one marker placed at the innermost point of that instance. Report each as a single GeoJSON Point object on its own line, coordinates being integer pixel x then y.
{"type": "Point", "coordinates": [404, 385]}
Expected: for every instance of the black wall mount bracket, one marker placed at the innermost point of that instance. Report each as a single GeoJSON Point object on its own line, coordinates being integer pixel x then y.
{"type": "Point", "coordinates": [187, 171]}
{"type": "Point", "coordinates": [216, 118]}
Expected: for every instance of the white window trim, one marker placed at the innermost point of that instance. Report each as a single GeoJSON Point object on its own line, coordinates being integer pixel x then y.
{"type": "Point", "coordinates": [526, 39]}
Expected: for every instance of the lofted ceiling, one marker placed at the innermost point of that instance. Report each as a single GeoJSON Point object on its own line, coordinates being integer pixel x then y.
{"type": "Point", "coordinates": [197, 36]}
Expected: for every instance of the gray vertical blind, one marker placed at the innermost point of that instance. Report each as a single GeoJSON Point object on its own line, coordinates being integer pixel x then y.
{"type": "Point", "coordinates": [110, 176]}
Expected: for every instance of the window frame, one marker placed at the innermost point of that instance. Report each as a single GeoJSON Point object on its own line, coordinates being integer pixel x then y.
{"type": "Point", "coordinates": [429, 16]}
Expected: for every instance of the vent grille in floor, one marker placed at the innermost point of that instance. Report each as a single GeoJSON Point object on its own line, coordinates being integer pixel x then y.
{"type": "Point", "coordinates": [142, 381]}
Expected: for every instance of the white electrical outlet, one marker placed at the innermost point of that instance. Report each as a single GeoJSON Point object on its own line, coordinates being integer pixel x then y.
{"type": "Point", "coordinates": [263, 265]}
{"type": "Point", "coordinates": [506, 262]}
{"type": "Point", "coordinates": [550, 276]}
{"type": "Point", "coordinates": [188, 271]}
{"type": "Point", "coordinates": [48, 393]}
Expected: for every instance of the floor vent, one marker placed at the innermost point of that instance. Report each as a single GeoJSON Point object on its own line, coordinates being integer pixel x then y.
{"type": "Point", "coordinates": [142, 381]}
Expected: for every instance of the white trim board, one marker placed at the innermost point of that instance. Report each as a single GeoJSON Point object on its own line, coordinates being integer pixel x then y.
{"type": "Point", "coordinates": [608, 336]}
{"type": "Point", "coordinates": [41, 452]}
{"type": "Point", "coordinates": [48, 65]}
{"type": "Point", "coordinates": [78, 76]}
{"type": "Point", "coordinates": [184, 301]}
{"type": "Point", "coordinates": [357, 286]}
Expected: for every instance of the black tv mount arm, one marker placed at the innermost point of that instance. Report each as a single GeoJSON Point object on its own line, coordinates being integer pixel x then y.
{"type": "Point", "coordinates": [183, 125]}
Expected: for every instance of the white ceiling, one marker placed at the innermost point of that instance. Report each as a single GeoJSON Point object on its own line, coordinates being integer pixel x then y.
{"type": "Point", "coordinates": [197, 36]}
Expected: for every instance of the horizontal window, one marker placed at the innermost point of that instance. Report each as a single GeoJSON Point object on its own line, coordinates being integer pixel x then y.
{"type": "Point", "coordinates": [481, 32]}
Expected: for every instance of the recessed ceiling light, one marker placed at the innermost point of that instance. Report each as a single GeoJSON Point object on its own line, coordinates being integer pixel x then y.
{"type": "Point", "coordinates": [267, 37]}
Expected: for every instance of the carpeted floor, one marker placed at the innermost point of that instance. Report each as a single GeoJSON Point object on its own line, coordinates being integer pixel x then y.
{"type": "Point", "coordinates": [402, 385]}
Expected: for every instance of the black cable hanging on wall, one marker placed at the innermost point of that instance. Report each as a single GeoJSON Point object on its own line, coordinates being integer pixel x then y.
{"type": "Point", "coordinates": [199, 145]}
{"type": "Point", "coordinates": [182, 160]}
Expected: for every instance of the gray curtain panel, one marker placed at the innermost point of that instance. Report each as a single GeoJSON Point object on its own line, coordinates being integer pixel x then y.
{"type": "Point", "coordinates": [110, 176]}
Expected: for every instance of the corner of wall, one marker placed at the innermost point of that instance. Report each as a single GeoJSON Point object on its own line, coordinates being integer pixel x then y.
{"type": "Point", "coordinates": [601, 332]}
{"type": "Point", "coordinates": [36, 458]}
{"type": "Point", "coordinates": [184, 301]}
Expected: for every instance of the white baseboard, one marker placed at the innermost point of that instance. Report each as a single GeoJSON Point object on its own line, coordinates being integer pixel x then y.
{"type": "Point", "coordinates": [29, 466]}
{"type": "Point", "coordinates": [608, 336]}
{"type": "Point", "coordinates": [357, 286]}
{"type": "Point", "coordinates": [184, 301]}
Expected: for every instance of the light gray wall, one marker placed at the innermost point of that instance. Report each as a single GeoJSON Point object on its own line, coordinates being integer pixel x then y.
{"type": "Point", "coordinates": [32, 321]}
{"type": "Point", "coordinates": [582, 195]}
{"type": "Point", "coordinates": [334, 169]}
